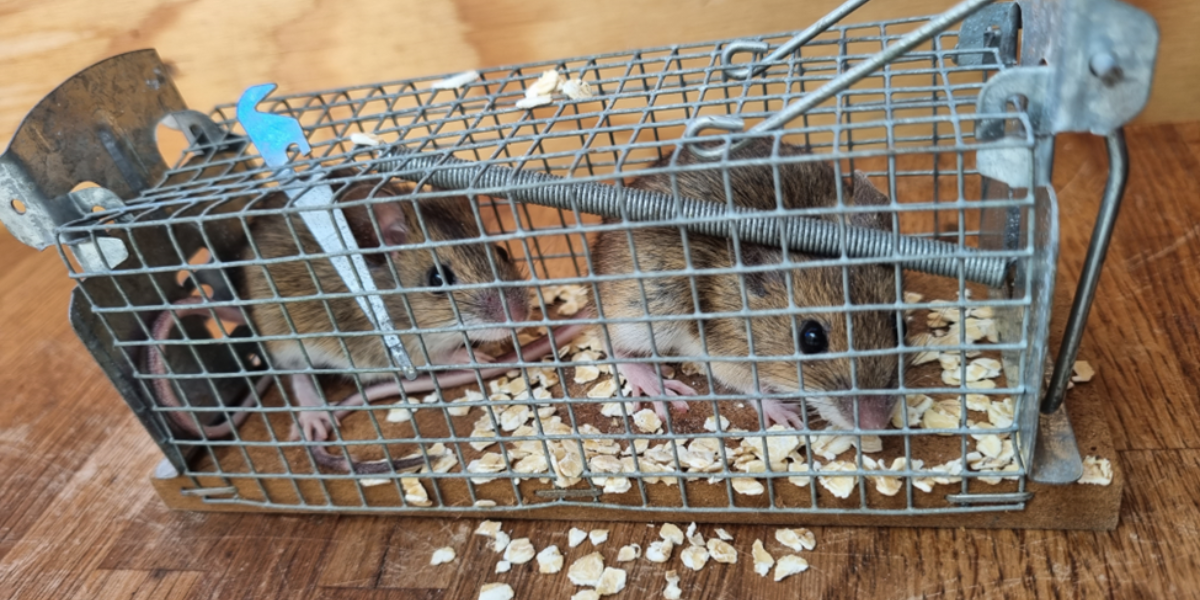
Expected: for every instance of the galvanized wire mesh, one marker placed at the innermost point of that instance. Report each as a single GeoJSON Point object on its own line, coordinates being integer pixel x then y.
{"type": "Point", "coordinates": [909, 128]}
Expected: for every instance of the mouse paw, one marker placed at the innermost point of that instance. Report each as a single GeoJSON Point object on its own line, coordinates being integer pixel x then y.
{"type": "Point", "coordinates": [314, 425]}
{"type": "Point", "coordinates": [643, 381]}
{"type": "Point", "coordinates": [782, 413]}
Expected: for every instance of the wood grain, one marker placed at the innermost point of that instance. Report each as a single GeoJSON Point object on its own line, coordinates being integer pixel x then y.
{"type": "Point", "coordinates": [220, 47]}
{"type": "Point", "coordinates": [79, 519]}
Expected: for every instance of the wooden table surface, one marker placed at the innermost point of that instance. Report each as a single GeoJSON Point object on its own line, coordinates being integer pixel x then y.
{"type": "Point", "coordinates": [79, 518]}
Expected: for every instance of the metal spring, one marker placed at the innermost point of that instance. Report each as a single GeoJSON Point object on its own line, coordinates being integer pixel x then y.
{"type": "Point", "coordinates": [810, 236]}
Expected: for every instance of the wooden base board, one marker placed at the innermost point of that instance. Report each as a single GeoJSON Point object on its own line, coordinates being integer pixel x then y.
{"type": "Point", "coordinates": [1073, 506]}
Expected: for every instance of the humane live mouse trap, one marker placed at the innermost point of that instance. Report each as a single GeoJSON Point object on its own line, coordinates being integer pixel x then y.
{"type": "Point", "coordinates": [852, 226]}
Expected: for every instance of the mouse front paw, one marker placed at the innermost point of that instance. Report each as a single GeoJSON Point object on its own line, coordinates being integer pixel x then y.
{"type": "Point", "coordinates": [775, 412]}
{"type": "Point", "coordinates": [314, 425]}
{"type": "Point", "coordinates": [643, 381]}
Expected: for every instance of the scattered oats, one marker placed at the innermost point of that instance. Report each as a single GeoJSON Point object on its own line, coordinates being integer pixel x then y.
{"type": "Point", "coordinates": [575, 537]}
{"type": "Point", "coordinates": [488, 528]}
{"type": "Point", "coordinates": [545, 85]}
{"type": "Point", "coordinates": [577, 89]}
{"type": "Point", "coordinates": [869, 444]}
{"type": "Point", "coordinates": [763, 561]}
{"type": "Point", "coordinates": [982, 312]}
{"type": "Point", "coordinates": [830, 446]}
{"type": "Point", "coordinates": [503, 566]}
{"type": "Point", "coordinates": [912, 297]}
{"type": "Point", "coordinates": [647, 420]}
{"type": "Point", "coordinates": [485, 503]}
{"type": "Point", "coordinates": [721, 551]}
{"type": "Point", "coordinates": [628, 553]}
{"type": "Point", "coordinates": [598, 536]}
{"type": "Point", "coordinates": [1097, 471]}
{"type": "Point", "coordinates": [455, 81]}
{"type": "Point", "coordinates": [801, 467]}
{"type": "Point", "coordinates": [747, 486]}
{"type": "Point", "coordinates": [399, 415]}
{"type": "Point", "coordinates": [978, 402]}
{"type": "Point", "coordinates": [442, 556]}
{"type": "Point", "coordinates": [414, 492]}
{"type": "Point", "coordinates": [587, 570]}
{"type": "Point", "coordinates": [939, 419]}
{"type": "Point", "coordinates": [710, 424]}
{"type": "Point", "coordinates": [611, 409]}
{"type": "Point", "coordinates": [691, 368]}
{"type": "Point", "coordinates": [796, 539]}
{"type": "Point", "coordinates": [459, 411]}
{"type": "Point", "coordinates": [1000, 414]}
{"type": "Point", "coordinates": [514, 417]}
{"type": "Point", "coordinates": [365, 139]}
{"type": "Point", "coordinates": [612, 581]}
{"type": "Point", "coordinates": [550, 560]}
{"type": "Point", "coordinates": [534, 102]}
{"type": "Point", "coordinates": [586, 595]}
{"type": "Point", "coordinates": [495, 591]}
{"type": "Point", "coordinates": [488, 463]}
{"type": "Point", "coordinates": [1082, 372]}
{"type": "Point", "coordinates": [546, 411]}
{"type": "Point", "coordinates": [372, 482]}
{"type": "Point", "coordinates": [672, 533]}
{"type": "Point", "coordinates": [520, 551]}
{"type": "Point", "coordinates": [916, 405]}
{"type": "Point", "coordinates": [990, 446]}
{"type": "Point", "coordinates": [638, 446]}
{"type": "Point", "coordinates": [672, 591]}
{"type": "Point", "coordinates": [952, 377]}
{"type": "Point", "coordinates": [586, 373]}
{"type": "Point", "coordinates": [950, 361]}
{"type": "Point", "coordinates": [694, 557]}
{"type": "Point", "coordinates": [789, 565]}
{"type": "Point", "coordinates": [984, 384]}
{"type": "Point", "coordinates": [501, 542]}
{"type": "Point", "coordinates": [724, 535]}
{"type": "Point", "coordinates": [659, 551]}
{"type": "Point", "coordinates": [839, 486]}
{"type": "Point", "coordinates": [604, 389]}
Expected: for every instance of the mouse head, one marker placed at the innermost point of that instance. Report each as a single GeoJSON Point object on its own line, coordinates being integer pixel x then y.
{"type": "Point", "coordinates": [835, 328]}
{"type": "Point", "coordinates": [467, 274]}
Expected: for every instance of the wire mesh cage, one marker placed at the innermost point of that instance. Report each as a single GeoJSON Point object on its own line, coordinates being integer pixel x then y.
{"type": "Point", "coordinates": [841, 310]}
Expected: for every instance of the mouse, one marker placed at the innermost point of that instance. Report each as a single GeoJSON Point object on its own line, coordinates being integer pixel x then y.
{"type": "Point", "coordinates": [803, 333]}
{"type": "Point", "coordinates": [294, 326]}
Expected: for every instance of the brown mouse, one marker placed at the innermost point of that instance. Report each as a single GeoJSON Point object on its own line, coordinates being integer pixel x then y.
{"type": "Point", "coordinates": [387, 224]}
{"type": "Point", "coordinates": [801, 185]}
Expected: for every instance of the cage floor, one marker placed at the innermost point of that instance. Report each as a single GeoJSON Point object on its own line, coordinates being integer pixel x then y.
{"type": "Point", "coordinates": [1051, 507]}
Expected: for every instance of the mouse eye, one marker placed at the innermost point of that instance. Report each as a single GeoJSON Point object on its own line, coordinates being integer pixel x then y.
{"type": "Point", "coordinates": [502, 253]}
{"type": "Point", "coordinates": [812, 338]}
{"type": "Point", "coordinates": [446, 277]}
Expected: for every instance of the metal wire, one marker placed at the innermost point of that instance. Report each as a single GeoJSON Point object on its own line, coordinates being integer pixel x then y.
{"type": "Point", "coordinates": [538, 181]}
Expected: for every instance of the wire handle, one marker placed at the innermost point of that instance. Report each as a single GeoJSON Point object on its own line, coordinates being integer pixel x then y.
{"type": "Point", "coordinates": [785, 115]}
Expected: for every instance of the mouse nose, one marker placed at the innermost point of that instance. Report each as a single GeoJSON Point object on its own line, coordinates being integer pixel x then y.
{"type": "Point", "coordinates": [875, 412]}
{"type": "Point", "coordinates": [495, 301]}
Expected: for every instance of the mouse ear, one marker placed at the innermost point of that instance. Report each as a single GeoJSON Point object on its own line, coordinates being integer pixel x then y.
{"type": "Point", "coordinates": [865, 194]}
{"type": "Point", "coordinates": [389, 216]}
{"type": "Point", "coordinates": [392, 224]}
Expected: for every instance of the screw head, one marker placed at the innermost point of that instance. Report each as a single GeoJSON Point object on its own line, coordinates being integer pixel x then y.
{"type": "Point", "coordinates": [1104, 65]}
